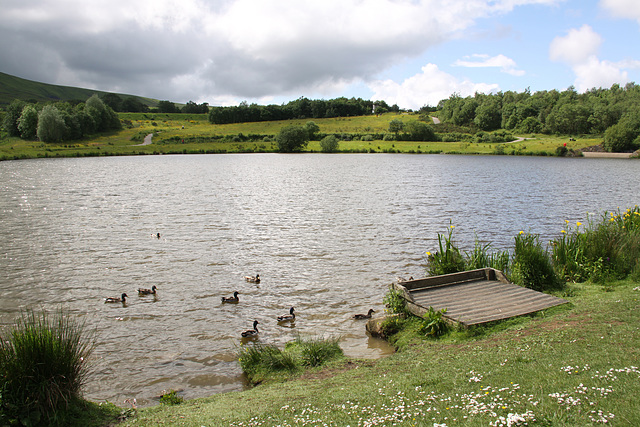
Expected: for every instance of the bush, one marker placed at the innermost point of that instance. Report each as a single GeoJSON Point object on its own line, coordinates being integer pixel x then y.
{"type": "Point", "coordinates": [532, 267]}
{"type": "Point", "coordinates": [292, 138]}
{"type": "Point", "coordinates": [329, 144]}
{"type": "Point", "coordinates": [43, 365]}
{"type": "Point", "coordinates": [316, 352]}
{"type": "Point", "coordinates": [171, 398]}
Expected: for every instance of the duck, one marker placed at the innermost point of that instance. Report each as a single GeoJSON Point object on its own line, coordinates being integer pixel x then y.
{"type": "Point", "coordinates": [288, 317]}
{"type": "Point", "coordinates": [251, 332]}
{"type": "Point", "coordinates": [364, 316]}
{"type": "Point", "coordinates": [402, 279]}
{"type": "Point", "coordinates": [232, 299]}
{"type": "Point", "coordinates": [151, 291]}
{"type": "Point", "coordinates": [253, 279]}
{"type": "Point", "coordinates": [122, 299]}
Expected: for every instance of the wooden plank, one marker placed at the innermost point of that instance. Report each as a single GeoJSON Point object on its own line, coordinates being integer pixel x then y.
{"type": "Point", "coordinates": [474, 297]}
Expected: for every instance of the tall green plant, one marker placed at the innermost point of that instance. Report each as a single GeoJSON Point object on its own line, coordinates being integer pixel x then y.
{"type": "Point", "coordinates": [532, 267]}
{"type": "Point", "coordinates": [448, 259]}
{"type": "Point", "coordinates": [43, 365]}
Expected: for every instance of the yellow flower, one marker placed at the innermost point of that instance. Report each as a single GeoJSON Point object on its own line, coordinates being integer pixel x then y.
{"type": "Point", "coordinates": [566, 221]}
{"type": "Point", "coordinates": [428, 253]}
{"type": "Point", "coordinates": [521, 232]}
{"type": "Point", "coordinates": [578, 223]}
{"type": "Point", "coordinates": [562, 231]}
{"type": "Point", "coordinates": [453, 226]}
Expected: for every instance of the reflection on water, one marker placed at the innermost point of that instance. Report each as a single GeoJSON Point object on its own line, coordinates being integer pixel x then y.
{"type": "Point", "coordinates": [326, 233]}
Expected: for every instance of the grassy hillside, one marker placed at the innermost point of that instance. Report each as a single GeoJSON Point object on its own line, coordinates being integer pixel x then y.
{"type": "Point", "coordinates": [12, 87]}
{"type": "Point", "coordinates": [193, 134]}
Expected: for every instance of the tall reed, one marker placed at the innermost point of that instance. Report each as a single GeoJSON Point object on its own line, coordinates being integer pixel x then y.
{"type": "Point", "coordinates": [43, 364]}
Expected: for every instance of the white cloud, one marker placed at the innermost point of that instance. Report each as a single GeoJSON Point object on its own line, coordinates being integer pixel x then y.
{"type": "Point", "coordinates": [426, 88]}
{"type": "Point", "coordinates": [579, 49]}
{"type": "Point", "coordinates": [506, 65]}
{"type": "Point", "coordinates": [576, 47]}
{"type": "Point", "coordinates": [629, 9]}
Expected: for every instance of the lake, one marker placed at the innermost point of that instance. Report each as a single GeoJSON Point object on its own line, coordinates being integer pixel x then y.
{"type": "Point", "coordinates": [327, 234]}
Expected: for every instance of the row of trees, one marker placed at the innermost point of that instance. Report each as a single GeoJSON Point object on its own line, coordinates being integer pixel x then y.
{"type": "Point", "coordinates": [61, 121]}
{"type": "Point", "coordinates": [301, 108]}
{"type": "Point", "coordinates": [132, 104]}
{"type": "Point", "coordinates": [614, 112]}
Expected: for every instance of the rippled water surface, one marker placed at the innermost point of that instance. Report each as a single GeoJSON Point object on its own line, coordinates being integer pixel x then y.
{"type": "Point", "coordinates": [327, 233]}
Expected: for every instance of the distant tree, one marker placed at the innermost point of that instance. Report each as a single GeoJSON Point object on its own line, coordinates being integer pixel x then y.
{"type": "Point", "coordinates": [13, 113]}
{"type": "Point", "coordinates": [488, 114]}
{"type": "Point", "coordinates": [112, 100]}
{"type": "Point", "coordinates": [292, 138]}
{"type": "Point", "coordinates": [329, 144]}
{"type": "Point", "coordinates": [193, 108]}
{"type": "Point", "coordinates": [419, 131]}
{"type": "Point", "coordinates": [28, 122]}
{"type": "Point", "coordinates": [396, 126]}
{"type": "Point", "coordinates": [167, 107]}
{"type": "Point", "coordinates": [312, 129]}
{"type": "Point", "coordinates": [133, 105]}
{"type": "Point", "coordinates": [530, 125]}
{"type": "Point", "coordinates": [625, 135]}
{"type": "Point", "coordinates": [51, 126]}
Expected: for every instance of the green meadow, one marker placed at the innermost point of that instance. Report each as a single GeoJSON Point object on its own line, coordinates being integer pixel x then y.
{"type": "Point", "coordinates": [193, 134]}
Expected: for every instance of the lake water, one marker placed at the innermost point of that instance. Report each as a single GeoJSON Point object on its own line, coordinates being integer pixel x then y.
{"type": "Point", "coordinates": [327, 234]}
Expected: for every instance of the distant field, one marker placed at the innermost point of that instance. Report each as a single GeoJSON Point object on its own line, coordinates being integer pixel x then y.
{"type": "Point", "coordinates": [193, 134]}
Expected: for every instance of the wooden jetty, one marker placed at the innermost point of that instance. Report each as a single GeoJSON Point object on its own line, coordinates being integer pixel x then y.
{"type": "Point", "coordinates": [473, 297]}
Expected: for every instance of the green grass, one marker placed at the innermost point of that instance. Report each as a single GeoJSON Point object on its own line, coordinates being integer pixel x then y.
{"type": "Point", "coordinates": [43, 365]}
{"type": "Point", "coordinates": [200, 137]}
{"type": "Point", "coordinates": [567, 366]}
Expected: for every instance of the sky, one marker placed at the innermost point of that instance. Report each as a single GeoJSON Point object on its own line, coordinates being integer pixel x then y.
{"type": "Point", "coordinates": [406, 52]}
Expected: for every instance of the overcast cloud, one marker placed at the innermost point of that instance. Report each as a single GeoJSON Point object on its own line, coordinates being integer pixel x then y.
{"type": "Point", "coordinates": [223, 52]}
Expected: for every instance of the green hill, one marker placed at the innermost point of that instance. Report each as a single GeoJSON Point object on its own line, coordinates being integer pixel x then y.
{"type": "Point", "coordinates": [12, 87]}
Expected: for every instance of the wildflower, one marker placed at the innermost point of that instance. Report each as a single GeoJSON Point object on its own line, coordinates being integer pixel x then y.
{"type": "Point", "coordinates": [521, 232]}
{"type": "Point", "coordinates": [563, 231]}
{"type": "Point", "coordinates": [428, 253]}
{"type": "Point", "coordinates": [578, 223]}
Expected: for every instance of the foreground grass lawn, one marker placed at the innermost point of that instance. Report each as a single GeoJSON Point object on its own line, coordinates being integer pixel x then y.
{"type": "Point", "coordinates": [576, 364]}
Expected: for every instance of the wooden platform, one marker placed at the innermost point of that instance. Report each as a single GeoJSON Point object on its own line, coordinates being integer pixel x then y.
{"type": "Point", "coordinates": [474, 297]}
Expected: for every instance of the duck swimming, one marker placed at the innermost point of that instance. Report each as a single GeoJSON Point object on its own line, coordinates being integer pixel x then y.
{"type": "Point", "coordinates": [364, 316]}
{"type": "Point", "coordinates": [288, 317]}
{"type": "Point", "coordinates": [253, 279]}
{"type": "Point", "coordinates": [151, 291]}
{"type": "Point", "coordinates": [122, 299]}
{"type": "Point", "coordinates": [251, 332]}
{"type": "Point", "coordinates": [232, 299]}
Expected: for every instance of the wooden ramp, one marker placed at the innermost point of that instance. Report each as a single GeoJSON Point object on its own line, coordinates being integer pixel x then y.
{"type": "Point", "coordinates": [474, 297]}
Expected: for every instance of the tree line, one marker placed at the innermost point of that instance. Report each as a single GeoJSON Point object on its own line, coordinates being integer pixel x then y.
{"type": "Point", "coordinates": [301, 108]}
{"type": "Point", "coordinates": [614, 112]}
{"type": "Point", "coordinates": [131, 104]}
{"type": "Point", "coordinates": [61, 121]}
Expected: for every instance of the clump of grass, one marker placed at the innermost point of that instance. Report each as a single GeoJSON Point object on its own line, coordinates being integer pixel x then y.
{"type": "Point", "coordinates": [266, 361]}
{"type": "Point", "coordinates": [171, 397]}
{"type": "Point", "coordinates": [483, 257]}
{"type": "Point", "coordinates": [43, 365]}
{"type": "Point", "coordinates": [532, 267]}
{"type": "Point", "coordinates": [315, 351]}
{"type": "Point", "coordinates": [600, 251]}
{"type": "Point", "coordinates": [448, 259]}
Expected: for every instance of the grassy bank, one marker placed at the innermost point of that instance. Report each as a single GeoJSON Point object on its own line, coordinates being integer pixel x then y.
{"type": "Point", "coordinates": [193, 134]}
{"type": "Point", "coordinates": [571, 365]}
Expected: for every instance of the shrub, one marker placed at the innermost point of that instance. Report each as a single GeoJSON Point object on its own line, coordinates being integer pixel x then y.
{"type": "Point", "coordinates": [532, 267]}
{"type": "Point", "coordinates": [329, 144]}
{"type": "Point", "coordinates": [43, 365]}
